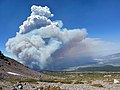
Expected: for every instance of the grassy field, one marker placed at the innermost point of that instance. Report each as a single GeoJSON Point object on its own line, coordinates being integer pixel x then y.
{"type": "Point", "coordinates": [80, 77]}
{"type": "Point", "coordinates": [73, 77]}
{"type": "Point", "coordinates": [69, 78]}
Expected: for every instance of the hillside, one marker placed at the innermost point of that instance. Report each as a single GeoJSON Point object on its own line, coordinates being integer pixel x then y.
{"type": "Point", "coordinates": [10, 68]}
{"type": "Point", "coordinates": [106, 68]}
{"type": "Point", "coordinates": [112, 59]}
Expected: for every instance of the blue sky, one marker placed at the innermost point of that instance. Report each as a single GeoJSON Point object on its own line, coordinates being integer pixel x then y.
{"type": "Point", "coordinates": [100, 17]}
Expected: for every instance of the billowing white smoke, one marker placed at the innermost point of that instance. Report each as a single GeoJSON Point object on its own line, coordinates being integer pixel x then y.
{"type": "Point", "coordinates": [39, 38]}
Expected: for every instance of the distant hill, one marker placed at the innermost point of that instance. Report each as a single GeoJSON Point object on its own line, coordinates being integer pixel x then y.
{"type": "Point", "coordinates": [106, 68]}
{"type": "Point", "coordinates": [113, 59]}
{"type": "Point", "coordinates": [10, 68]}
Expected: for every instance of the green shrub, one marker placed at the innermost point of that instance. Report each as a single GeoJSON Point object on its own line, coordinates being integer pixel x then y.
{"type": "Point", "coordinates": [66, 81]}
{"type": "Point", "coordinates": [51, 80]}
{"type": "Point", "coordinates": [28, 80]}
{"type": "Point", "coordinates": [12, 80]}
{"type": "Point", "coordinates": [78, 82]}
{"type": "Point", "coordinates": [25, 80]}
{"type": "Point", "coordinates": [97, 85]}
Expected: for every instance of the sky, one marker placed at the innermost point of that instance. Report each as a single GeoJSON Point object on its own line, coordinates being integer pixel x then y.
{"type": "Point", "coordinates": [101, 18]}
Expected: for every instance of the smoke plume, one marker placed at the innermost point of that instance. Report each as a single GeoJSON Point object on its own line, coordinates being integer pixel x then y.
{"type": "Point", "coordinates": [40, 39]}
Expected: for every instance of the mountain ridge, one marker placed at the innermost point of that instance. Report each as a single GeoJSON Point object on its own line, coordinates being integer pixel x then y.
{"type": "Point", "coordinates": [10, 68]}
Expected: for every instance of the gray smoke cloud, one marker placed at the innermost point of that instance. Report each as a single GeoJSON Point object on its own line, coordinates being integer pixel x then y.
{"type": "Point", "coordinates": [40, 39]}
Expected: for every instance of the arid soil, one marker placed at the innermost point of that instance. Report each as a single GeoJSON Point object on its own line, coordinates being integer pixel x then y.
{"type": "Point", "coordinates": [45, 85]}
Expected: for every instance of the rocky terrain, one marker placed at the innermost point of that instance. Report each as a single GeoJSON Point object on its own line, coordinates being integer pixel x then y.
{"type": "Point", "coordinates": [95, 85]}
{"type": "Point", "coordinates": [11, 69]}
{"type": "Point", "coordinates": [15, 76]}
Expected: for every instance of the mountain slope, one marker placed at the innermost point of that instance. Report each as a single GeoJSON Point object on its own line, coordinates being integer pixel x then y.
{"type": "Point", "coordinates": [9, 68]}
{"type": "Point", "coordinates": [113, 59]}
{"type": "Point", "coordinates": [106, 68]}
